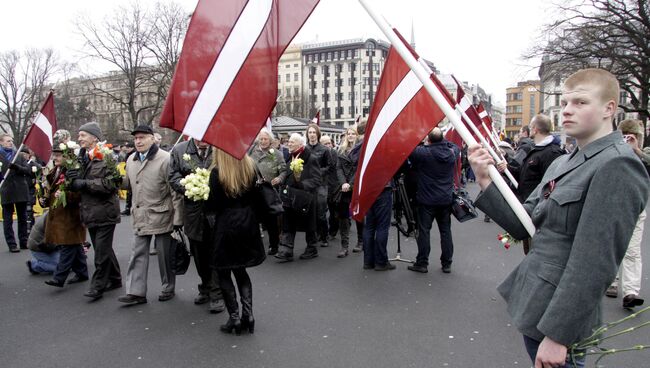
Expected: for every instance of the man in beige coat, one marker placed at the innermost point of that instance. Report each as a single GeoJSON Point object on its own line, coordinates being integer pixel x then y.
{"type": "Point", "coordinates": [155, 211]}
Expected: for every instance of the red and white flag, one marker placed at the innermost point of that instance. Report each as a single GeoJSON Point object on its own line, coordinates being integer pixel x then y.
{"type": "Point", "coordinates": [225, 84]}
{"type": "Point", "coordinates": [465, 104]}
{"type": "Point", "coordinates": [316, 119]}
{"type": "Point", "coordinates": [485, 117]}
{"type": "Point", "coordinates": [269, 125]}
{"type": "Point", "coordinates": [402, 114]}
{"type": "Point", "coordinates": [39, 137]}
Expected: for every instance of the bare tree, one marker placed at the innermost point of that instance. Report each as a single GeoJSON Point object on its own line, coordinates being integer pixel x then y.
{"type": "Point", "coordinates": [24, 79]}
{"type": "Point", "coordinates": [608, 34]}
{"type": "Point", "coordinates": [168, 25]}
{"type": "Point", "coordinates": [143, 46]}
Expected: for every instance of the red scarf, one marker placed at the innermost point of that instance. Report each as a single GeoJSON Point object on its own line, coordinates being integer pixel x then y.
{"type": "Point", "coordinates": [297, 152]}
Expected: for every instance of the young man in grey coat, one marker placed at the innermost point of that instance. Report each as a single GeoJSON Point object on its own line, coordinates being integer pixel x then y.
{"type": "Point", "coordinates": [585, 210]}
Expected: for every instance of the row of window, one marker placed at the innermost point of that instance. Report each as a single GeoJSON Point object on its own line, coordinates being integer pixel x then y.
{"type": "Point", "coordinates": [289, 66]}
{"type": "Point", "coordinates": [515, 96]}
{"type": "Point", "coordinates": [332, 55]}
{"type": "Point", "coordinates": [325, 97]}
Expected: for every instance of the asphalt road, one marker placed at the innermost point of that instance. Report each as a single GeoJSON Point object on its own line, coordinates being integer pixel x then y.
{"type": "Point", "coordinates": [325, 312]}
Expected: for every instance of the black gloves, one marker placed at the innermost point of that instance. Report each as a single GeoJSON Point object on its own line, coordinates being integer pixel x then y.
{"type": "Point", "coordinates": [72, 174]}
{"type": "Point", "coordinates": [78, 184]}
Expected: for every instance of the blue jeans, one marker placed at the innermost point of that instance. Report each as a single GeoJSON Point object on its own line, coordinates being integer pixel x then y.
{"type": "Point", "coordinates": [532, 346]}
{"type": "Point", "coordinates": [426, 215]}
{"type": "Point", "coordinates": [45, 262]}
{"type": "Point", "coordinates": [375, 231]}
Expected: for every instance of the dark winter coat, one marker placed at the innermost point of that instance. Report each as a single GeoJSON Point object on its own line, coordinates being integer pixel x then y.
{"type": "Point", "coordinates": [236, 233]}
{"type": "Point", "coordinates": [345, 172]}
{"type": "Point", "coordinates": [99, 203]}
{"type": "Point", "coordinates": [532, 170]}
{"type": "Point", "coordinates": [331, 177]}
{"type": "Point", "coordinates": [63, 225]}
{"type": "Point", "coordinates": [321, 154]}
{"type": "Point", "coordinates": [435, 164]}
{"type": "Point", "coordinates": [193, 217]}
{"type": "Point", "coordinates": [310, 180]}
{"type": "Point", "coordinates": [16, 186]}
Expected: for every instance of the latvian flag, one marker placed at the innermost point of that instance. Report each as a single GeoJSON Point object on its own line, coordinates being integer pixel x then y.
{"type": "Point", "coordinates": [402, 114]}
{"type": "Point", "coordinates": [39, 138]}
{"type": "Point", "coordinates": [225, 84]}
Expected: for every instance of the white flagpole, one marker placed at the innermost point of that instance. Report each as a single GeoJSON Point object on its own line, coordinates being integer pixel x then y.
{"type": "Point", "coordinates": [425, 78]}
{"type": "Point", "coordinates": [497, 158]}
{"type": "Point", "coordinates": [177, 142]}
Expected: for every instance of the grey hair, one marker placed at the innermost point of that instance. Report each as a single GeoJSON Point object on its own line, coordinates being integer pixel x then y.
{"type": "Point", "coordinates": [267, 132]}
{"type": "Point", "coordinates": [299, 137]}
{"type": "Point", "coordinates": [61, 135]}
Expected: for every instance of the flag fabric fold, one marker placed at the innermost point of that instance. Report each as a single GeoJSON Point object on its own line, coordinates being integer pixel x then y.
{"type": "Point", "coordinates": [316, 119]}
{"type": "Point", "coordinates": [40, 135]}
{"type": "Point", "coordinates": [225, 84]}
{"type": "Point", "coordinates": [402, 114]}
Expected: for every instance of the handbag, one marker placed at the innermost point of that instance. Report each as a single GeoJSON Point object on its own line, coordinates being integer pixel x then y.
{"type": "Point", "coordinates": [462, 207]}
{"type": "Point", "coordinates": [271, 204]}
{"type": "Point", "coordinates": [297, 199]}
{"type": "Point", "coordinates": [180, 254]}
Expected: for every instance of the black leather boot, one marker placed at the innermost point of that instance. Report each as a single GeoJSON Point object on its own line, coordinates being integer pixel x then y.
{"type": "Point", "coordinates": [247, 320]}
{"type": "Point", "coordinates": [230, 299]}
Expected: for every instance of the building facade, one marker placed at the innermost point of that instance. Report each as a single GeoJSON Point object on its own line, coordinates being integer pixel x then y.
{"type": "Point", "coordinates": [522, 103]}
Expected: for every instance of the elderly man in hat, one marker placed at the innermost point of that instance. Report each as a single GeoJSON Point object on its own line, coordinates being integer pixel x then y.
{"type": "Point", "coordinates": [99, 208]}
{"type": "Point", "coordinates": [155, 211]}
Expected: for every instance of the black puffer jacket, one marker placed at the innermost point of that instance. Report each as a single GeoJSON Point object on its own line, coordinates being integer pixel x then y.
{"type": "Point", "coordinates": [310, 180]}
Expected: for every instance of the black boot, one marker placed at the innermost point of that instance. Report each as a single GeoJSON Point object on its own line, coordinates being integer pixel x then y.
{"type": "Point", "coordinates": [230, 299]}
{"type": "Point", "coordinates": [247, 320]}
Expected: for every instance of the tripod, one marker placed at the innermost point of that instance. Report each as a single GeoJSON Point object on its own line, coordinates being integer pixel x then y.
{"type": "Point", "coordinates": [401, 206]}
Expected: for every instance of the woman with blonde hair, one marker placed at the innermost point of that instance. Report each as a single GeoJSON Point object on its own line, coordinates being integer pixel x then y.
{"type": "Point", "coordinates": [345, 171]}
{"type": "Point", "coordinates": [235, 233]}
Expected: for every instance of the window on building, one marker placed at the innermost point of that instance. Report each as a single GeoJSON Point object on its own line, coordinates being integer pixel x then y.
{"type": "Point", "coordinates": [375, 67]}
{"type": "Point", "coordinates": [287, 93]}
{"type": "Point", "coordinates": [279, 78]}
{"type": "Point", "coordinates": [312, 71]}
{"type": "Point", "coordinates": [295, 77]}
{"type": "Point", "coordinates": [339, 68]}
{"type": "Point", "coordinates": [532, 109]}
{"type": "Point", "coordinates": [287, 66]}
{"type": "Point", "coordinates": [313, 98]}
{"type": "Point", "coordinates": [296, 91]}
{"type": "Point", "coordinates": [287, 78]}
{"type": "Point", "coordinates": [295, 65]}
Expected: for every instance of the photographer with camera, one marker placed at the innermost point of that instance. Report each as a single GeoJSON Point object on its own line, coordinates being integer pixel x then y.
{"type": "Point", "coordinates": [434, 163]}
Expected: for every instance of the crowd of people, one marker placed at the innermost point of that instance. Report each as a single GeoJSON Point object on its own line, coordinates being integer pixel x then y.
{"type": "Point", "coordinates": [314, 178]}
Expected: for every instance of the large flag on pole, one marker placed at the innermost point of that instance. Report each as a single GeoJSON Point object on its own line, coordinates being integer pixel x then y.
{"type": "Point", "coordinates": [401, 116]}
{"type": "Point", "coordinates": [225, 84]}
{"type": "Point", "coordinates": [39, 137]}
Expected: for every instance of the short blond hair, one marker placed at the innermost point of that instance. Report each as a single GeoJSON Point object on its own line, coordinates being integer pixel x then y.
{"type": "Point", "coordinates": [605, 81]}
{"type": "Point", "coordinates": [542, 123]}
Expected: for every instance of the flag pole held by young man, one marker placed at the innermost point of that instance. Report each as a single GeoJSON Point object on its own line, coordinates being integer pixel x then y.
{"type": "Point", "coordinates": [424, 77]}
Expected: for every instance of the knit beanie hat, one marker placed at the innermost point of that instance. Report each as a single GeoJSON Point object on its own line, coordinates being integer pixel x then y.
{"type": "Point", "coordinates": [92, 128]}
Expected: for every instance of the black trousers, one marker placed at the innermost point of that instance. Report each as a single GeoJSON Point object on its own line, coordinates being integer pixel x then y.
{"type": "Point", "coordinates": [8, 222]}
{"type": "Point", "coordinates": [333, 218]}
{"type": "Point", "coordinates": [272, 225]}
{"type": "Point", "coordinates": [107, 269]}
{"type": "Point", "coordinates": [73, 258]}
{"type": "Point", "coordinates": [202, 254]}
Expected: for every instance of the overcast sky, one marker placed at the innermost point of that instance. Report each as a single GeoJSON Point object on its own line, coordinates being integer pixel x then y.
{"type": "Point", "coordinates": [479, 41]}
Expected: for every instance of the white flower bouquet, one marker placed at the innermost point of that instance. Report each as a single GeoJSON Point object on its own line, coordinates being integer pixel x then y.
{"type": "Point", "coordinates": [197, 187]}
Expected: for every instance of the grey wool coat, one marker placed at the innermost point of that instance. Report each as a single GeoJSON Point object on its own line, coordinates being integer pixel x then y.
{"type": "Point", "coordinates": [584, 210]}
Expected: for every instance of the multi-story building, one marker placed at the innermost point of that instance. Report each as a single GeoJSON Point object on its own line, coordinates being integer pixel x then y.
{"type": "Point", "coordinates": [522, 103]}
{"type": "Point", "coordinates": [341, 77]}
{"type": "Point", "coordinates": [290, 79]}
